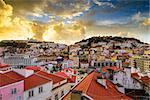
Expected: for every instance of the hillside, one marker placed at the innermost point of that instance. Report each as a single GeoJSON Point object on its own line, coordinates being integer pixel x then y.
{"type": "Point", "coordinates": [108, 40]}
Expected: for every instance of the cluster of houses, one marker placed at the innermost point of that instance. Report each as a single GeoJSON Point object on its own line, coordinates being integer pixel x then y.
{"type": "Point", "coordinates": [34, 83]}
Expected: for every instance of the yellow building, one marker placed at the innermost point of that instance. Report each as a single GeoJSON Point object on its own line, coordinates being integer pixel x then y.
{"type": "Point", "coordinates": [100, 57]}
{"type": "Point", "coordinates": [143, 63]}
{"type": "Point", "coordinates": [147, 52]}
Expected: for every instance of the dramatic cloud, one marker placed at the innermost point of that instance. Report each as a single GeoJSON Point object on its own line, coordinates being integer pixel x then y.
{"type": "Point", "coordinates": [67, 21]}
{"type": "Point", "coordinates": [68, 34]}
{"type": "Point", "coordinates": [146, 22]}
{"type": "Point", "coordinates": [62, 8]}
{"type": "Point", "coordinates": [99, 3]}
{"type": "Point", "coordinates": [11, 28]}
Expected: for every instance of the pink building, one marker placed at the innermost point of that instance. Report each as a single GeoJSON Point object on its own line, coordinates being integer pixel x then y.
{"type": "Point", "coordinates": [12, 86]}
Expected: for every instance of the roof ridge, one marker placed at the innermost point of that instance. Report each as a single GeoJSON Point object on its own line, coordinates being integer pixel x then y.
{"type": "Point", "coordinates": [51, 74]}
{"type": "Point", "coordinates": [90, 81]}
{"type": "Point", "coordinates": [43, 76]}
{"type": "Point", "coordinates": [10, 76]}
{"type": "Point", "coordinates": [62, 76]}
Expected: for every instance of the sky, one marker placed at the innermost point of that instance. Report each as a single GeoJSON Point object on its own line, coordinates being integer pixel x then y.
{"type": "Point", "coordinates": [69, 21]}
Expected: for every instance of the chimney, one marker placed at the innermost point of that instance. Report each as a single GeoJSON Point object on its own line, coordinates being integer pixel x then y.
{"type": "Point", "coordinates": [120, 88]}
{"type": "Point", "coordinates": [101, 80]}
{"type": "Point", "coordinates": [24, 72]}
{"type": "Point", "coordinates": [76, 95]}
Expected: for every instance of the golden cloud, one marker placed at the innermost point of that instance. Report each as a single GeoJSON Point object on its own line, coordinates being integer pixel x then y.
{"type": "Point", "coordinates": [146, 22]}
{"type": "Point", "coordinates": [62, 33]}
{"type": "Point", "coordinates": [12, 27]}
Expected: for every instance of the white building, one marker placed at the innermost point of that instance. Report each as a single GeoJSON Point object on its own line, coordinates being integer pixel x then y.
{"type": "Point", "coordinates": [19, 59]}
{"type": "Point", "coordinates": [124, 78]}
{"type": "Point", "coordinates": [59, 85]}
{"type": "Point", "coordinates": [37, 88]}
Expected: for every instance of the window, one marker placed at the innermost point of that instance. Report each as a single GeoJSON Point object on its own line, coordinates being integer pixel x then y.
{"type": "Point", "coordinates": [99, 64]}
{"type": "Point", "coordinates": [40, 89]}
{"type": "Point", "coordinates": [56, 97]}
{"type": "Point", "coordinates": [19, 98]}
{"type": "Point", "coordinates": [62, 93]}
{"type": "Point", "coordinates": [13, 91]}
{"type": "Point", "coordinates": [31, 93]}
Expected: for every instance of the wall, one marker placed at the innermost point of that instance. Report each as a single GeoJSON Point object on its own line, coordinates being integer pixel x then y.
{"type": "Point", "coordinates": [66, 87]}
{"type": "Point", "coordinates": [6, 91]}
{"type": "Point", "coordinates": [47, 88]}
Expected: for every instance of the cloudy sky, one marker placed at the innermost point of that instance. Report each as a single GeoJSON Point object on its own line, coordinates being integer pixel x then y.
{"type": "Point", "coordinates": [69, 21]}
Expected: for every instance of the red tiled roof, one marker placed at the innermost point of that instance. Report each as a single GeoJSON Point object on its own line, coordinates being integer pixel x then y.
{"type": "Point", "coordinates": [62, 74]}
{"type": "Point", "coordinates": [69, 79]}
{"type": "Point", "coordinates": [114, 68]}
{"type": "Point", "coordinates": [4, 65]}
{"type": "Point", "coordinates": [92, 88]}
{"type": "Point", "coordinates": [53, 77]}
{"type": "Point", "coordinates": [145, 80]}
{"type": "Point", "coordinates": [34, 81]}
{"type": "Point", "coordinates": [35, 68]}
{"type": "Point", "coordinates": [135, 75]}
{"type": "Point", "coordinates": [15, 75]}
{"type": "Point", "coordinates": [9, 78]}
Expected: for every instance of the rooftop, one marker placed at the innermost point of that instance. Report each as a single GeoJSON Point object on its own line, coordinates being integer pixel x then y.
{"type": "Point", "coordinates": [114, 68]}
{"type": "Point", "coordinates": [35, 80]}
{"type": "Point", "coordinates": [3, 65]}
{"type": "Point", "coordinates": [53, 77]}
{"type": "Point", "coordinates": [9, 78]}
{"type": "Point", "coordinates": [92, 88]}
{"type": "Point", "coordinates": [69, 79]}
{"type": "Point", "coordinates": [35, 68]}
{"type": "Point", "coordinates": [143, 79]}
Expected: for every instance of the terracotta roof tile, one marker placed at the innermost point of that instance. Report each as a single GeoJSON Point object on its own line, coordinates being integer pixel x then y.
{"type": "Point", "coordinates": [92, 88]}
{"type": "Point", "coordinates": [4, 65]}
{"type": "Point", "coordinates": [53, 77]}
{"type": "Point", "coordinates": [34, 81]}
{"type": "Point", "coordinates": [9, 78]}
{"type": "Point", "coordinates": [145, 80]}
{"type": "Point", "coordinates": [114, 68]}
{"type": "Point", "coordinates": [135, 75]}
{"type": "Point", "coordinates": [69, 79]}
{"type": "Point", "coordinates": [35, 68]}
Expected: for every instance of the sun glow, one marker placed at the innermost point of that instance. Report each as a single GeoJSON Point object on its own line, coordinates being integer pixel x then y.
{"type": "Point", "coordinates": [49, 34]}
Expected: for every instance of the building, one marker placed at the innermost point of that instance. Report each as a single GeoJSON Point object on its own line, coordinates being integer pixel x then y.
{"type": "Point", "coordinates": [11, 86]}
{"type": "Point", "coordinates": [95, 87]}
{"type": "Point", "coordinates": [143, 63]}
{"type": "Point", "coordinates": [135, 85]}
{"type": "Point", "coordinates": [59, 85]}
{"type": "Point", "coordinates": [19, 60]}
{"type": "Point", "coordinates": [67, 63]}
{"type": "Point", "coordinates": [37, 87]}
{"type": "Point", "coordinates": [100, 64]}
{"type": "Point", "coordinates": [144, 81]}
{"type": "Point", "coordinates": [70, 74]}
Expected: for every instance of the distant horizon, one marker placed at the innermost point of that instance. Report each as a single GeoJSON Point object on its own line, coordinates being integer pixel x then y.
{"type": "Point", "coordinates": [76, 41]}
